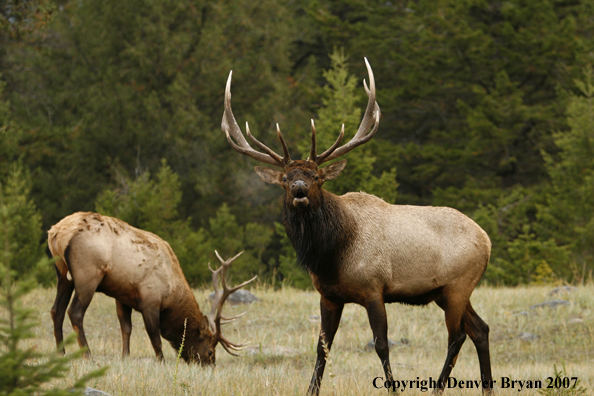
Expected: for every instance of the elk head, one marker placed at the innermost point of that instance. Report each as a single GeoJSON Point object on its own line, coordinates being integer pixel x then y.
{"type": "Point", "coordinates": [203, 348]}
{"type": "Point", "coordinates": [301, 179]}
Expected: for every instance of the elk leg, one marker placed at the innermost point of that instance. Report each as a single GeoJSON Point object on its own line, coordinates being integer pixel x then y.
{"type": "Point", "coordinates": [76, 312]}
{"type": "Point", "coordinates": [330, 314]}
{"type": "Point", "coordinates": [376, 311]}
{"type": "Point", "coordinates": [454, 309]}
{"type": "Point", "coordinates": [151, 323]}
{"type": "Point", "coordinates": [63, 295]}
{"type": "Point", "coordinates": [125, 317]}
{"type": "Point", "coordinates": [478, 331]}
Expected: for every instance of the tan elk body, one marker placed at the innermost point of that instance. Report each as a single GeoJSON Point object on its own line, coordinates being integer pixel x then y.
{"type": "Point", "coordinates": [401, 253]}
{"type": "Point", "coordinates": [359, 249]}
{"type": "Point", "coordinates": [96, 253]}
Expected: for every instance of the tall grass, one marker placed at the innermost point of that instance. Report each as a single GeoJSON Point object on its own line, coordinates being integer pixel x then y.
{"type": "Point", "coordinates": [283, 332]}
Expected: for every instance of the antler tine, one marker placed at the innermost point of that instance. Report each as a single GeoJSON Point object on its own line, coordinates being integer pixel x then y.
{"type": "Point", "coordinates": [312, 152]}
{"type": "Point", "coordinates": [370, 120]}
{"type": "Point", "coordinates": [225, 320]}
{"type": "Point", "coordinates": [217, 296]}
{"type": "Point", "coordinates": [216, 316]}
{"type": "Point", "coordinates": [262, 146]}
{"type": "Point", "coordinates": [232, 131]}
{"type": "Point", "coordinates": [322, 157]}
{"type": "Point", "coordinates": [231, 347]}
{"type": "Point", "coordinates": [228, 262]}
{"type": "Point", "coordinates": [287, 156]}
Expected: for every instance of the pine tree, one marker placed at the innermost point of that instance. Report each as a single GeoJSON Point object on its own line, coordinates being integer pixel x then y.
{"type": "Point", "coordinates": [25, 232]}
{"type": "Point", "coordinates": [568, 213]}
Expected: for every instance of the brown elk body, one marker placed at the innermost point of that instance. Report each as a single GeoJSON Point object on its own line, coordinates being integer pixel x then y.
{"type": "Point", "coordinates": [96, 253]}
{"type": "Point", "coordinates": [359, 249]}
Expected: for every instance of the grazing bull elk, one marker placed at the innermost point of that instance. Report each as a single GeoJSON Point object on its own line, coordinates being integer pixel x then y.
{"type": "Point", "coordinates": [359, 249]}
{"type": "Point", "coordinates": [97, 253]}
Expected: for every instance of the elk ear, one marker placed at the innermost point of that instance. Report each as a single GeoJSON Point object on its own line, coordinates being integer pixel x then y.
{"type": "Point", "coordinates": [332, 171]}
{"type": "Point", "coordinates": [269, 175]}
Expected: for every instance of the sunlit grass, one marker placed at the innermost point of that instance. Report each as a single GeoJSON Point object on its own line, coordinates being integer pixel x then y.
{"type": "Point", "coordinates": [283, 338]}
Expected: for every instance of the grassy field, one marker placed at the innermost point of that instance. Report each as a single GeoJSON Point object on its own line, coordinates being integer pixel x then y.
{"type": "Point", "coordinates": [283, 329]}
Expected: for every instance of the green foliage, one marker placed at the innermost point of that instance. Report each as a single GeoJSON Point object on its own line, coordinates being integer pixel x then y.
{"type": "Point", "coordinates": [472, 94]}
{"type": "Point", "coordinates": [229, 238]}
{"type": "Point", "coordinates": [9, 134]}
{"type": "Point", "coordinates": [567, 214]}
{"type": "Point", "coordinates": [449, 75]}
{"type": "Point", "coordinates": [25, 371]}
{"type": "Point", "coordinates": [545, 233]}
{"type": "Point", "coordinates": [25, 231]}
{"type": "Point", "coordinates": [150, 204]}
{"type": "Point", "coordinates": [530, 260]}
{"type": "Point", "coordinates": [575, 390]}
{"type": "Point", "coordinates": [340, 106]}
{"type": "Point", "coordinates": [179, 353]}
{"type": "Point", "coordinates": [133, 82]}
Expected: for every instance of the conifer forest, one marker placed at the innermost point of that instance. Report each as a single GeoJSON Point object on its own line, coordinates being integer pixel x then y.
{"type": "Point", "coordinates": [116, 106]}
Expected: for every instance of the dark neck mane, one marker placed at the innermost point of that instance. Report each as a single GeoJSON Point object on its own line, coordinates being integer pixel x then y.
{"type": "Point", "coordinates": [172, 319]}
{"type": "Point", "coordinates": [320, 233]}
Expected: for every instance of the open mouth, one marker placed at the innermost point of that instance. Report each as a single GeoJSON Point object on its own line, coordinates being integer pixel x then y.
{"type": "Point", "coordinates": [297, 202]}
{"type": "Point", "coordinates": [300, 199]}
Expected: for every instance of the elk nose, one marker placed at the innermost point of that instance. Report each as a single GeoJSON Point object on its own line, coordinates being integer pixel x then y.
{"type": "Point", "coordinates": [299, 187]}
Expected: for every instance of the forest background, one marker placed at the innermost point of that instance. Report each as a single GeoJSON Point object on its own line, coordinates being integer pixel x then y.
{"type": "Point", "coordinates": [116, 106]}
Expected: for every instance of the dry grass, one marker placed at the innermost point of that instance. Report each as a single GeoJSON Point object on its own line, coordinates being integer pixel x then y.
{"type": "Point", "coordinates": [284, 336]}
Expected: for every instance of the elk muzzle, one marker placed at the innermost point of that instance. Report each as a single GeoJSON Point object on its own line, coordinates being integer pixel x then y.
{"type": "Point", "coordinates": [299, 191]}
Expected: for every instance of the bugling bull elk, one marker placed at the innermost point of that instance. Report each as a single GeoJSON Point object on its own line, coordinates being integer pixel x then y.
{"type": "Point", "coordinates": [139, 270]}
{"type": "Point", "coordinates": [359, 249]}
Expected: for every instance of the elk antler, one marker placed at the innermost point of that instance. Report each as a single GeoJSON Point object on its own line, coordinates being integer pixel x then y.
{"type": "Point", "coordinates": [231, 129]}
{"type": "Point", "coordinates": [217, 305]}
{"type": "Point", "coordinates": [371, 117]}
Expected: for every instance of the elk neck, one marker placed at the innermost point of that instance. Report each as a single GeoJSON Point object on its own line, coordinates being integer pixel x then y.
{"type": "Point", "coordinates": [321, 233]}
{"type": "Point", "coordinates": [174, 314]}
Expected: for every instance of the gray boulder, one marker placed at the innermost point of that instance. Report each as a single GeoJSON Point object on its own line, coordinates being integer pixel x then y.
{"type": "Point", "coordinates": [528, 337]}
{"type": "Point", "coordinates": [550, 304]}
{"type": "Point", "coordinates": [562, 289]}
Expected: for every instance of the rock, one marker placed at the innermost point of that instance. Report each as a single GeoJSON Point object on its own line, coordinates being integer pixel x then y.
{"type": "Point", "coordinates": [238, 297]}
{"type": "Point", "coordinates": [315, 318]}
{"type": "Point", "coordinates": [522, 313]}
{"type": "Point", "coordinates": [370, 346]}
{"type": "Point", "coordinates": [95, 392]}
{"type": "Point", "coordinates": [528, 337]}
{"type": "Point", "coordinates": [575, 320]}
{"type": "Point", "coordinates": [562, 289]}
{"type": "Point", "coordinates": [550, 304]}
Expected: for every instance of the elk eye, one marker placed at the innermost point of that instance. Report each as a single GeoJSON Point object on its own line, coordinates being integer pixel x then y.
{"type": "Point", "coordinates": [284, 178]}
{"type": "Point", "coordinates": [317, 177]}
{"type": "Point", "coordinates": [209, 353]}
